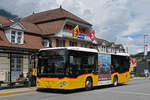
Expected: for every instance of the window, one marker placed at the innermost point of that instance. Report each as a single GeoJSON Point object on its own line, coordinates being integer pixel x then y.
{"type": "Point", "coordinates": [73, 43]}
{"type": "Point", "coordinates": [69, 27]}
{"type": "Point", "coordinates": [17, 63]}
{"type": "Point", "coordinates": [81, 62]}
{"type": "Point", "coordinates": [13, 36]}
{"type": "Point", "coordinates": [75, 65]}
{"type": "Point", "coordinates": [45, 43]}
{"type": "Point", "coordinates": [60, 43]}
{"type": "Point", "coordinates": [16, 37]}
{"type": "Point", "coordinates": [100, 48]}
{"type": "Point", "coordinates": [91, 46]}
{"type": "Point", "coordinates": [120, 63]}
{"type": "Point", "coordinates": [19, 37]}
{"type": "Point", "coordinates": [83, 45]}
{"type": "Point", "coordinates": [52, 62]}
{"type": "Point", "coordinates": [104, 48]}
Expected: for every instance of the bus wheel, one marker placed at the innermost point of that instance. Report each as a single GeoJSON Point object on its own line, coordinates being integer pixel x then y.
{"type": "Point", "coordinates": [88, 84]}
{"type": "Point", "coordinates": [115, 81]}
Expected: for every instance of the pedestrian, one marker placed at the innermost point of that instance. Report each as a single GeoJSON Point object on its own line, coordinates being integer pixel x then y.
{"type": "Point", "coordinates": [146, 72]}
{"type": "Point", "coordinates": [29, 76]}
{"type": "Point", "coordinates": [33, 76]}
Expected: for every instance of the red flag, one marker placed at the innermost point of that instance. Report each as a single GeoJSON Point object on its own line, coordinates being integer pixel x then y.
{"type": "Point", "coordinates": [92, 35]}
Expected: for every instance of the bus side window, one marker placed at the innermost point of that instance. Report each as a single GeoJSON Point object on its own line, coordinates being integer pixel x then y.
{"type": "Point", "coordinates": [75, 65]}
{"type": "Point", "coordinates": [71, 59]}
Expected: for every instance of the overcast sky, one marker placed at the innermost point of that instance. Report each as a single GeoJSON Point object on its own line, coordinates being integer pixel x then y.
{"type": "Point", "coordinates": [119, 21]}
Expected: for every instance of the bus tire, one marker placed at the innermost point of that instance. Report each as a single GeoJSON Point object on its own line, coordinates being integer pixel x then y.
{"type": "Point", "coordinates": [88, 84]}
{"type": "Point", "coordinates": [115, 81]}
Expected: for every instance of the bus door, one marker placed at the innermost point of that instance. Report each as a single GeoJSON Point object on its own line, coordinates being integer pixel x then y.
{"type": "Point", "coordinates": [104, 70]}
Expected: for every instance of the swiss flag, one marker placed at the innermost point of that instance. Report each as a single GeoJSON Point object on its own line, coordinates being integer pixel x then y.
{"type": "Point", "coordinates": [92, 35]}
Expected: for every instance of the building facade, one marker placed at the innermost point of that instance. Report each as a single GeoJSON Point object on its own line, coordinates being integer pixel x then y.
{"type": "Point", "coordinates": [109, 47]}
{"type": "Point", "coordinates": [21, 40]}
{"type": "Point", "coordinates": [57, 26]}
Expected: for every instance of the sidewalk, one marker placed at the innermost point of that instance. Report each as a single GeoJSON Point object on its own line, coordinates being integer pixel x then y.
{"type": "Point", "coordinates": [17, 91]}
{"type": "Point", "coordinates": [139, 78]}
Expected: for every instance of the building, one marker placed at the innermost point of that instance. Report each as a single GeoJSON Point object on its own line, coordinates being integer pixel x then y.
{"type": "Point", "coordinates": [57, 25]}
{"type": "Point", "coordinates": [109, 47]}
{"type": "Point", "coordinates": [18, 42]}
{"type": "Point", "coordinates": [21, 40]}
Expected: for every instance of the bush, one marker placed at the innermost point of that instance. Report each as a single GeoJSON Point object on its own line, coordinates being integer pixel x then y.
{"type": "Point", "coordinates": [142, 74]}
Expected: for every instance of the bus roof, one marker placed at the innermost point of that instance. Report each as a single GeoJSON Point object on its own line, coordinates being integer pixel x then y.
{"type": "Point", "coordinates": [122, 54]}
{"type": "Point", "coordinates": [119, 54]}
{"type": "Point", "coordinates": [84, 49]}
{"type": "Point", "coordinates": [72, 48]}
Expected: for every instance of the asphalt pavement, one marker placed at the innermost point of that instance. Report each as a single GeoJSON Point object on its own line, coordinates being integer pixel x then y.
{"type": "Point", "coordinates": [137, 89]}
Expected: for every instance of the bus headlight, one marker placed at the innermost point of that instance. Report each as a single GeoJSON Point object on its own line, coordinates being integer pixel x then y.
{"type": "Point", "coordinates": [62, 84]}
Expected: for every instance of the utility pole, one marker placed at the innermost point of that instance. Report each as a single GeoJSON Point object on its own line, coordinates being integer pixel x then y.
{"type": "Point", "coordinates": [127, 49]}
{"type": "Point", "coordinates": [10, 76]}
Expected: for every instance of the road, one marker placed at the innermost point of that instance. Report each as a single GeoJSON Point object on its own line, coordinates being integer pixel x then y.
{"type": "Point", "coordinates": [133, 90]}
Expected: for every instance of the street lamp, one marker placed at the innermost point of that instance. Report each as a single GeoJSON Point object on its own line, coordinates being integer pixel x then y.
{"type": "Point", "coordinates": [145, 45]}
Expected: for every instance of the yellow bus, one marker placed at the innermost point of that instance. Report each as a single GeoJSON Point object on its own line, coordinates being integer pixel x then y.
{"type": "Point", "coordinates": [77, 67]}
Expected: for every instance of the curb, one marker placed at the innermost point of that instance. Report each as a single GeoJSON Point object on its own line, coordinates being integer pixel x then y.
{"type": "Point", "coordinates": [139, 79]}
{"type": "Point", "coordinates": [16, 92]}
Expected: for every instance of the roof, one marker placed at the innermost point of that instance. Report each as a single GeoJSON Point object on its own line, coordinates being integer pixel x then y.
{"type": "Point", "coordinates": [4, 20]}
{"type": "Point", "coordinates": [51, 27]}
{"type": "Point", "coordinates": [29, 27]}
{"type": "Point", "coordinates": [122, 54]}
{"type": "Point", "coordinates": [100, 41]}
{"type": "Point", "coordinates": [52, 15]}
{"type": "Point", "coordinates": [72, 48]}
{"type": "Point", "coordinates": [83, 49]}
{"type": "Point", "coordinates": [111, 43]}
{"type": "Point", "coordinates": [119, 54]}
{"type": "Point", "coordinates": [31, 41]}
{"type": "Point", "coordinates": [32, 28]}
{"type": "Point", "coordinates": [54, 20]}
{"type": "Point", "coordinates": [118, 45]}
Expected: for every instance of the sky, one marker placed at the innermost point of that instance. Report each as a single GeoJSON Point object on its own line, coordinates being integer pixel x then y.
{"type": "Point", "coordinates": [120, 21]}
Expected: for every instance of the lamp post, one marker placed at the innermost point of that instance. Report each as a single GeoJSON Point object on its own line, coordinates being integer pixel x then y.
{"type": "Point", "coordinates": [145, 45]}
{"type": "Point", "coordinates": [146, 69]}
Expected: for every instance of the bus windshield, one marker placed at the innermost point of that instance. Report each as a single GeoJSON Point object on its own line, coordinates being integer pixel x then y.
{"type": "Point", "coordinates": [51, 62]}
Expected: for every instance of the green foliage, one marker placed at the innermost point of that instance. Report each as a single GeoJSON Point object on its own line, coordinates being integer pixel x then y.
{"type": "Point", "coordinates": [141, 55]}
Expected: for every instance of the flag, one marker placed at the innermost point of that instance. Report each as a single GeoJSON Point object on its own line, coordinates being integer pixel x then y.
{"type": "Point", "coordinates": [76, 32]}
{"type": "Point", "coordinates": [92, 35]}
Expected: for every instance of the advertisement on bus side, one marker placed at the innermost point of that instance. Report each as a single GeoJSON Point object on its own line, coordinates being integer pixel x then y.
{"type": "Point", "coordinates": [104, 66]}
